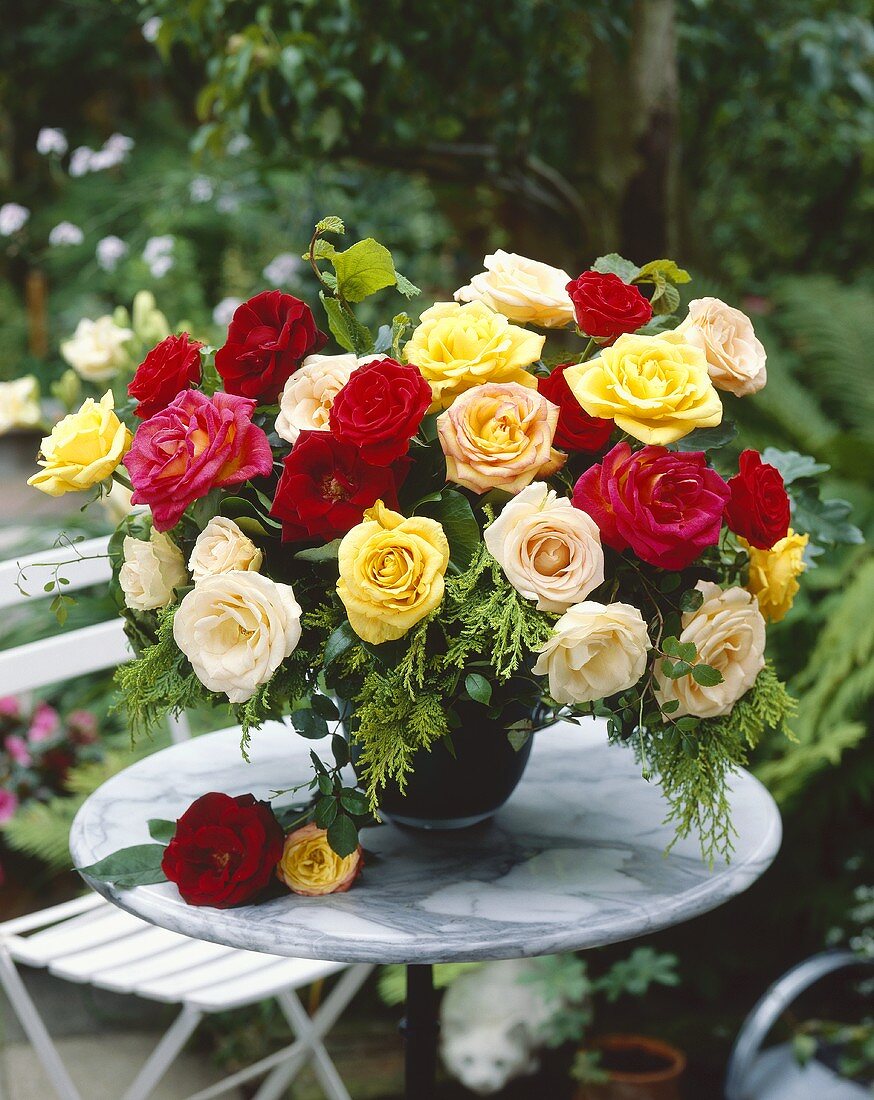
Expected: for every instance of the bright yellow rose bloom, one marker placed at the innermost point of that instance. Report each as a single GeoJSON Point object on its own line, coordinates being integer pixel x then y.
{"type": "Point", "coordinates": [459, 346]}
{"type": "Point", "coordinates": [310, 866]}
{"type": "Point", "coordinates": [391, 572]}
{"type": "Point", "coordinates": [774, 574]}
{"type": "Point", "coordinates": [83, 449]}
{"type": "Point", "coordinates": [656, 388]}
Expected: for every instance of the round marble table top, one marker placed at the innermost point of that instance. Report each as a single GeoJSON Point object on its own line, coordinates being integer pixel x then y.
{"type": "Point", "coordinates": [575, 859]}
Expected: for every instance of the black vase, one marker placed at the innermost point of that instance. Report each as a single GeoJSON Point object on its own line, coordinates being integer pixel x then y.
{"type": "Point", "coordinates": [454, 791]}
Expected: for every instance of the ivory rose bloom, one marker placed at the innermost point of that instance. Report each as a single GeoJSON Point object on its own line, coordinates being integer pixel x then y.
{"type": "Point", "coordinates": [236, 629]}
{"type": "Point", "coordinates": [499, 436]}
{"type": "Point", "coordinates": [83, 449]}
{"type": "Point", "coordinates": [735, 356]}
{"type": "Point", "coordinates": [596, 650]}
{"type": "Point", "coordinates": [306, 400]}
{"type": "Point", "coordinates": [774, 574]}
{"type": "Point", "coordinates": [729, 633]}
{"type": "Point", "coordinates": [391, 572]}
{"type": "Point", "coordinates": [549, 550]}
{"type": "Point", "coordinates": [525, 291]}
{"type": "Point", "coordinates": [222, 547]}
{"type": "Point", "coordinates": [310, 866]}
{"type": "Point", "coordinates": [96, 350]}
{"type": "Point", "coordinates": [459, 346]}
{"type": "Point", "coordinates": [656, 388]}
{"type": "Point", "coordinates": [151, 571]}
{"type": "Point", "coordinates": [19, 404]}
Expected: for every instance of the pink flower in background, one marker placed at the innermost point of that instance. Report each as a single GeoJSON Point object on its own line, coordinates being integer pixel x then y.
{"type": "Point", "coordinates": [192, 446]}
{"type": "Point", "coordinates": [44, 724]}
{"type": "Point", "coordinates": [82, 725]}
{"type": "Point", "coordinates": [9, 706]}
{"type": "Point", "coordinates": [8, 806]}
{"type": "Point", "coordinates": [17, 750]}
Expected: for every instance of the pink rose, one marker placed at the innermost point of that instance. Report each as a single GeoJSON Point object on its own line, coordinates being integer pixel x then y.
{"type": "Point", "coordinates": [9, 706]}
{"type": "Point", "coordinates": [44, 724]}
{"type": "Point", "coordinates": [666, 505]}
{"type": "Point", "coordinates": [192, 446]}
{"type": "Point", "coordinates": [499, 436]}
{"type": "Point", "coordinates": [17, 750]}
{"type": "Point", "coordinates": [8, 806]}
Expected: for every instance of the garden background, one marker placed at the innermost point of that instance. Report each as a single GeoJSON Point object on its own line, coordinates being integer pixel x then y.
{"type": "Point", "coordinates": [736, 138]}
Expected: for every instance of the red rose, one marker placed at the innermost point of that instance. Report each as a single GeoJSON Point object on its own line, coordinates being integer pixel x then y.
{"type": "Point", "coordinates": [325, 487]}
{"type": "Point", "coordinates": [224, 851]}
{"type": "Point", "coordinates": [666, 505]}
{"type": "Point", "coordinates": [380, 408]}
{"type": "Point", "coordinates": [170, 367]}
{"type": "Point", "coordinates": [192, 446]}
{"type": "Point", "coordinates": [576, 430]}
{"type": "Point", "coordinates": [759, 505]}
{"type": "Point", "coordinates": [605, 307]}
{"type": "Point", "coordinates": [268, 337]}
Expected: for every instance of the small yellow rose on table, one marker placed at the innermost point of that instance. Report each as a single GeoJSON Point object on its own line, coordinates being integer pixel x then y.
{"type": "Point", "coordinates": [310, 866]}
{"type": "Point", "coordinates": [391, 572]}
{"type": "Point", "coordinates": [774, 574]}
{"type": "Point", "coordinates": [83, 449]}
{"type": "Point", "coordinates": [656, 388]}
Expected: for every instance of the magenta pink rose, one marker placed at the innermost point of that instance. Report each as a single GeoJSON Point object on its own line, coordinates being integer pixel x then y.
{"type": "Point", "coordinates": [9, 706]}
{"type": "Point", "coordinates": [196, 444]}
{"type": "Point", "coordinates": [17, 750]}
{"type": "Point", "coordinates": [44, 724]}
{"type": "Point", "coordinates": [8, 806]}
{"type": "Point", "coordinates": [666, 505]}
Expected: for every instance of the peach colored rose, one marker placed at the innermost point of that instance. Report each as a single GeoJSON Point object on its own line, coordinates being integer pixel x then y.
{"type": "Point", "coordinates": [498, 436]}
{"type": "Point", "coordinates": [310, 866]}
{"type": "Point", "coordinates": [735, 356]}
{"type": "Point", "coordinates": [306, 400]}
{"type": "Point", "coordinates": [525, 291]}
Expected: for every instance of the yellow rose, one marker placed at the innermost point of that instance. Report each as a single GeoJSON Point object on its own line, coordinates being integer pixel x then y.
{"type": "Point", "coordinates": [773, 574]}
{"type": "Point", "coordinates": [391, 573]}
{"type": "Point", "coordinates": [459, 346]}
{"type": "Point", "coordinates": [656, 388]}
{"type": "Point", "coordinates": [83, 449]}
{"type": "Point", "coordinates": [310, 866]}
{"type": "Point", "coordinates": [499, 436]}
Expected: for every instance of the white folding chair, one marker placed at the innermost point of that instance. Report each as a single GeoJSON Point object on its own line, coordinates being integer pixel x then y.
{"type": "Point", "coordinates": [88, 940]}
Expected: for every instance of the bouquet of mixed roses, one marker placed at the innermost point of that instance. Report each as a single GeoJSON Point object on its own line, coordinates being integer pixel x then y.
{"type": "Point", "coordinates": [452, 514]}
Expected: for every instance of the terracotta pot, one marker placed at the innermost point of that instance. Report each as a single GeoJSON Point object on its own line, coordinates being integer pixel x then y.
{"type": "Point", "coordinates": [640, 1068]}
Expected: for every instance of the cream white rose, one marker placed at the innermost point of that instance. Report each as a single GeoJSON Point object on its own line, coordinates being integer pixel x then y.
{"type": "Point", "coordinates": [596, 650]}
{"type": "Point", "coordinates": [729, 633]}
{"type": "Point", "coordinates": [306, 400]}
{"type": "Point", "coordinates": [550, 551]}
{"type": "Point", "coordinates": [525, 291]}
{"type": "Point", "coordinates": [96, 351]}
{"type": "Point", "coordinates": [19, 404]}
{"type": "Point", "coordinates": [151, 570]}
{"type": "Point", "coordinates": [222, 547]}
{"type": "Point", "coordinates": [236, 629]}
{"type": "Point", "coordinates": [735, 356]}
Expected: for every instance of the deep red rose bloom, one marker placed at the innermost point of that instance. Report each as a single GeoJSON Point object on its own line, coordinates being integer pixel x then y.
{"type": "Point", "coordinates": [325, 487]}
{"type": "Point", "coordinates": [759, 505]}
{"type": "Point", "coordinates": [605, 307]}
{"type": "Point", "coordinates": [666, 505]}
{"type": "Point", "coordinates": [224, 851]}
{"type": "Point", "coordinates": [170, 367]}
{"type": "Point", "coordinates": [268, 337]}
{"type": "Point", "coordinates": [380, 408]}
{"type": "Point", "coordinates": [192, 446]}
{"type": "Point", "coordinates": [576, 430]}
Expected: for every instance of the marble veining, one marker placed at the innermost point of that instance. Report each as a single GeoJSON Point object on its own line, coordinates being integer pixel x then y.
{"type": "Point", "coordinates": [574, 860]}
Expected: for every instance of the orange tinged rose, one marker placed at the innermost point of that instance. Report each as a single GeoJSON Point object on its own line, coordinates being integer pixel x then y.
{"type": "Point", "coordinates": [310, 866]}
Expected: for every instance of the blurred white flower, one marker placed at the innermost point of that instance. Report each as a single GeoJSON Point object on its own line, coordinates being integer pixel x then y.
{"type": "Point", "coordinates": [109, 251]}
{"type": "Point", "coordinates": [152, 28]}
{"type": "Point", "coordinates": [80, 160]}
{"type": "Point", "coordinates": [239, 143]}
{"type": "Point", "coordinates": [227, 204]}
{"type": "Point", "coordinates": [19, 404]}
{"type": "Point", "coordinates": [158, 254]}
{"type": "Point", "coordinates": [66, 233]}
{"type": "Point", "coordinates": [200, 189]}
{"type": "Point", "coordinates": [103, 159]}
{"type": "Point", "coordinates": [119, 144]}
{"type": "Point", "coordinates": [96, 349]}
{"type": "Point", "coordinates": [51, 141]}
{"type": "Point", "coordinates": [282, 269]}
{"type": "Point", "coordinates": [13, 216]}
{"type": "Point", "coordinates": [224, 311]}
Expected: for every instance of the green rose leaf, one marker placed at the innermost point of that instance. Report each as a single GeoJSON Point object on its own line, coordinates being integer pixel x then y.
{"type": "Point", "coordinates": [518, 738]}
{"type": "Point", "coordinates": [139, 865]}
{"type": "Point", "coordinates": [478, 688]}
{"type": "Point", "coordinates": [667, 269]}
{"type": "Point", "coordinates": [363, 269]}
{"type": "Point", "coordinates": [309, 724]}
{"type": "Point", "coordinates": [328, 552]}
{"type": "Point", "coordinates": [792, 465]}
{"type": "Point", "coordinates": [325, 707]}
{"type": "Point", "coordinates": [343, 836]}
{"type": "Point", "coordinates": [346, 329]}
{"type": "Point", "coordinates": [326, 812]}
{"type": "Point", "coordinates": [340, 749]}
{"type": "Point", "coordinates": [691, 600]}
{"type": "Point", "coordinates": [454, 513]}
{"type": "Point", "coordinates": [706, 439]}
{"type": "Point", "coordinates": [162, 830]}
{"type": "Point", "coordinates": [614, 264]}
{"type": "Point", "coordinates": [339, 641]}
{"type": "Point", "coordinates": [331, 224]}
{"type": "Point", "coordinates": [706, 675]}
{"type": "Point", "coordinates": [353, 802]}
{"type": "Point", "coordinates": [824, 520]}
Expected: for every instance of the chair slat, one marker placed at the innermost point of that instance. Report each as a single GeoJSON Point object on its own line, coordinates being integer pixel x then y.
{"type": "Point", "coordinates": [261, 984]}
{"type": "Point", "coordinates": [77, 934]}
{"type": "Point", "coordinates": [90, 566]}
{"type": "Point", "coordinates": [129, 977]}
{"type": "Point", "coordinates": [63, 656]}
{"type": "Point", "coordinates": [81, 966]}
{"type": "Point", "coordinates": [177, 987]}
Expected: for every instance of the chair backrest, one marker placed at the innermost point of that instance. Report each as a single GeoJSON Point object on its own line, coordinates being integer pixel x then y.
{"type": "Point", "coordinates": [72, 653]}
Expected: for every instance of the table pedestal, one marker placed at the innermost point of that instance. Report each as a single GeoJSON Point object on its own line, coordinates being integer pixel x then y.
{"type": "Point", "coordinates": [420, 1028]}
